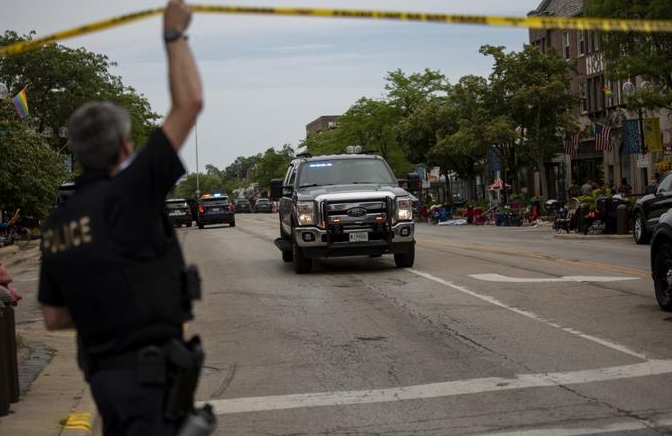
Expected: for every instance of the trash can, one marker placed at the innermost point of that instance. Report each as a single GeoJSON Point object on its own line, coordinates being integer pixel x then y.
{"type": "Point", "coordinates": [581, 225]}
{"type": "Point", "coordinates": [8, 353]}
{"type": "Point", "coordinates": [622, 219]}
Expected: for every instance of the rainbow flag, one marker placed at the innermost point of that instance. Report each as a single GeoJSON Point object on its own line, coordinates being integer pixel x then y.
{"type": "Point", "coordinates": [21, 103]}
{"type": "Point", "coordinates": [607, 91]}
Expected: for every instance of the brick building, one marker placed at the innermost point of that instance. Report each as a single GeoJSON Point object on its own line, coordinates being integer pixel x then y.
{"type": "Point", "coordinates": [602, 104]}
{"type": "Point", "coordinates": [322, 123]}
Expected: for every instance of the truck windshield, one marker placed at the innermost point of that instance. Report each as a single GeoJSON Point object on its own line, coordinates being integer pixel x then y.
{"type": "Point", "coordinates": [345, 172]}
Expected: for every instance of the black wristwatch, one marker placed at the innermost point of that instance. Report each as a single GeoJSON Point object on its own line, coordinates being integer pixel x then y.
{"type": "Point", "coordinates": [171, 35]}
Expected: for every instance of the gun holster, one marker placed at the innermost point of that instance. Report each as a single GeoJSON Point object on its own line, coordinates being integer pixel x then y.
{"type": "Point", "coordinates": [184, 361]}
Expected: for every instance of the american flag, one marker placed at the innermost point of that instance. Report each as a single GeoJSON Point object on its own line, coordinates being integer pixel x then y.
{"type": "Point", "coordinates": [572, 144]}
{"type": "Point", "coordinates": [603, 138]}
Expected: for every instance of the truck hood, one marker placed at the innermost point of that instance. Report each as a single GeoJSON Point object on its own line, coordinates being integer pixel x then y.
{"type": "Point", "coordinates": [345, 192]}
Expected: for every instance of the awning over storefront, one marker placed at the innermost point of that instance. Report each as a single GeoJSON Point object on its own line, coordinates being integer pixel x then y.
{"type": "Point", "coordinates": [497, 186]}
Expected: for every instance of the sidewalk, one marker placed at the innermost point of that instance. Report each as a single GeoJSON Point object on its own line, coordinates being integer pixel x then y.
{"type": "Point", "coordinates": [54, 399]}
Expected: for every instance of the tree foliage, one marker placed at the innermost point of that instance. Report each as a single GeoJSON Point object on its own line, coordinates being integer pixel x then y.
{"type": "Point", "coordinates": [58, 80]}
{"type": "Point", "coordinates": [30, 171]}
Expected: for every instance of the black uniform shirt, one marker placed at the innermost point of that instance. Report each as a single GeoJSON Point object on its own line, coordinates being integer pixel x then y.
{"type": "Point", "coordinates": [110, 256]}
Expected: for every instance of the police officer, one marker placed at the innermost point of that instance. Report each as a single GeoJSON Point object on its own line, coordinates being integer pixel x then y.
{"type": "Point", "coordinates": [111, 265]}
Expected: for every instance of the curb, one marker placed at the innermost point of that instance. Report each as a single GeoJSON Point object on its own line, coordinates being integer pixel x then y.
{"type": "Point", "coordinates": [582, 236]}
{"type": "Point", "coordinates": [83, 421]}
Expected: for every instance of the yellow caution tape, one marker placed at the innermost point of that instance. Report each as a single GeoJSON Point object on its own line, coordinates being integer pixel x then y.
{"type": "Point", "coordinates": [534, 22]}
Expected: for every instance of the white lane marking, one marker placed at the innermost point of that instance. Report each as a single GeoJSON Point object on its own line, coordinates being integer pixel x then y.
{"type": "Point", "coordinates": [505, 279]}
{"type": "Point", "coordinates": [662, 421]}
{"type": "Point", "coordinates": [496, 302]}
{"type": "Point", "coordinates": [442, 389]}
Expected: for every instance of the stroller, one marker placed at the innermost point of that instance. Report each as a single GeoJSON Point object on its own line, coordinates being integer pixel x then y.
{"type": "Point", "coordinates": [564, 214]}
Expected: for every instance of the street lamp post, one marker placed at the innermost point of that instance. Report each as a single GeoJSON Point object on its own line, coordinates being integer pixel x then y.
{"type": "Point", "coordinates": [198, 186]}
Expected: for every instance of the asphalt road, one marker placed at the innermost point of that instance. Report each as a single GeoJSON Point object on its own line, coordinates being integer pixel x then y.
{"type": "Point", "coordinates": [491, 333]}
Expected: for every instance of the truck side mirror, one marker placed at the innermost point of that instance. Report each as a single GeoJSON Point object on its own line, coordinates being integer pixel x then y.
{"type": "Point", "coordinates": [275, 186]}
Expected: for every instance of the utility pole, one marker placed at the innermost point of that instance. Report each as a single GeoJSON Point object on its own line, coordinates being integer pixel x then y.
{"type": "Point", "coordinates": [198, 186]}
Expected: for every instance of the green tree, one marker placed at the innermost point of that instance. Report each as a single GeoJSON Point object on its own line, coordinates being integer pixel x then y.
{"type": "Point", "coordinates": [638, 54]}
{"type": "Point", "coordinates": [407, 93]}
{"type": "Point", "coordinates": [208, 184]}
{"type": "Point", "coordinates": [272, 165]}
{"type": "Point", "coordinates": [530, 105]}
{"type": "Point", "coordinates": [30, 171]}
{"type": "Point", "coordinates": [60, 79]}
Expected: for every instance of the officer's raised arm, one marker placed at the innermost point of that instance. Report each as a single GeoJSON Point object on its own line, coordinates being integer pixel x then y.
{"type": "Point", "coordinates": [185, 83]}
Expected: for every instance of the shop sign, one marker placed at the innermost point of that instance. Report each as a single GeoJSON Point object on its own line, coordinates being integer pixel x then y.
{"type": "Point", "coordinates": [642, 160]}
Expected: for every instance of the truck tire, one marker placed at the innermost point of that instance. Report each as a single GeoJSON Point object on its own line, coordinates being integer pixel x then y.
{"type": "Point", "coordinates": [287, 256]}
{"type": "Point", "coordinates": [302, 264]}
{"type": "Point", "coordinates": [405, 260]}
{"type": "Point", "coordinates": [200, 226]}
{"type": "Point", "coordinates": [232, 224]}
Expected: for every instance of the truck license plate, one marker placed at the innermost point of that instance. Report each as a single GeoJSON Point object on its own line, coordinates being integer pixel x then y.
{"type": "Point", "coordinates": [358, 237]}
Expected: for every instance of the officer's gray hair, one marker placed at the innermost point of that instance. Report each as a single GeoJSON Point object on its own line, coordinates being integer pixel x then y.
{"type": "Point", "coordinates": [96, 132]}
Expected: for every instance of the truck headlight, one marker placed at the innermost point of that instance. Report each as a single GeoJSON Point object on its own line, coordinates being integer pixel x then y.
{"type": "Point", "coordinates": [305, 213]}
{"type": "Point", "coordinates": [404, 209]}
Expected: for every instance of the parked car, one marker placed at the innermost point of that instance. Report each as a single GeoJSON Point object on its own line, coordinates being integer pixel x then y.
{"type": "Point", "coordinates": [243, 206]}
{"type": "Point", "coordinates": [262, 205]}
{"type": "Point", "coordinates": [214, 210]}
{"type": "Point", "coordinates": [178, 212]}
{"type": "Point", "coordinates": [661, 261]}
{"type": "Point", "coordinates": [648, 209]}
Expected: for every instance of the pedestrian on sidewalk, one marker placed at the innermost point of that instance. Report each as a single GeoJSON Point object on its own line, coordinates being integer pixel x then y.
{"type": "Point", "coordinates": [111, 264]}
{"type": "Point", "coordinates": [624, 189]}
{"type": "Point", "coordinates": [5, 280]}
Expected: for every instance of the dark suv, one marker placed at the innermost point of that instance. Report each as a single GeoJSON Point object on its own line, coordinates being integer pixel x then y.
{"type": "Point", "coordinates": [661, 261]}
{"type": "Point", "coordinates": [178, 212]}
{"type": "Point", "coordinates": [262, 205]}
{"type": "Point", "coordinates": [648, 209]}
{"type": "Point", "coordinates": [243, 206]}
{"type": "Point", "coordinates": [214, 210]}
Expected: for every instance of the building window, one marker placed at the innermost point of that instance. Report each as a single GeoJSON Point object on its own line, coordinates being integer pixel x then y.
{"type": "Point", "coordinates": [582, 42]}
{"type": "Point", "coordinates": [612, 92]}
{"type": "Point", "coordinates": [592, 42]}
{"type": "Point", "coordinates": [565, 44]}
{"type": "Point", "coordinates": [584, 97]}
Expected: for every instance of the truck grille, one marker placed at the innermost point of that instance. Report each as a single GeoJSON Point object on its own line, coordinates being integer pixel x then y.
{"type": "Point", "coordinates": [343, 217]}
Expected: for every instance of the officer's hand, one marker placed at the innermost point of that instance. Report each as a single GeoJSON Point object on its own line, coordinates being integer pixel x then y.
{"type": "Point", "coordinates": [176, 16]}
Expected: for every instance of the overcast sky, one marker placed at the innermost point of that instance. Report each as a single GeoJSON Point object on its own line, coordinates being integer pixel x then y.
{"type": "Point", "coordinates": [266, 77]}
